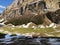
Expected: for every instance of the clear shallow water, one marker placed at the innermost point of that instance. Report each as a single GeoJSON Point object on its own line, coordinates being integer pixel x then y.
{"type": "Point", "coordinates": [22, 40]}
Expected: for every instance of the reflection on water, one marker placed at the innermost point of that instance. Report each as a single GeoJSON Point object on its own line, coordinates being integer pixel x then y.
{"type": "Point", "coordinates": [22, 40]}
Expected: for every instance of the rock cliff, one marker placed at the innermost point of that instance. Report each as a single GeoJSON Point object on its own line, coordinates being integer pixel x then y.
{"type": "Point", "coordinates": [28, 7]}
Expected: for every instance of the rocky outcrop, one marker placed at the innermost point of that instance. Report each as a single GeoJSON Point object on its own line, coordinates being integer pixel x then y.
{"type": "Point", "coordinates": [23, 7]}
{"type": "Point", "coordinates": [31, 7]}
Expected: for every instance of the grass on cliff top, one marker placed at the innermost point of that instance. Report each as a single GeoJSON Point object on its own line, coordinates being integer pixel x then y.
{"type": "Point", "coordinates": [27, 30]}
{"type": "Point", "coordinates": [43, 31]}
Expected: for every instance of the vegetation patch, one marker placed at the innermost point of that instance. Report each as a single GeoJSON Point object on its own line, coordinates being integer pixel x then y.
{"type": "Point", "coordinates": [41, 31]}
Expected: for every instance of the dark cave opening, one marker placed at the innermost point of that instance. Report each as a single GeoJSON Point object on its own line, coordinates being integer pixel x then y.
{"type": "Point", "coordinates": [21, 10]}
{"type": "Point", "coordinates": [55, 18]}
{"type": "Point", "coordinates": [49, 16]}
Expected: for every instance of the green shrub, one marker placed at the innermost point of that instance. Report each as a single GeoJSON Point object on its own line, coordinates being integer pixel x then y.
{"type": "Point", "coordinates": [19, 20]}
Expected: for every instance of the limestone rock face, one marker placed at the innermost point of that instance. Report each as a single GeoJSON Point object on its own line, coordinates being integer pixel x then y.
{"type": "Point", "coordinates": [23, 7]}
{"type": "Point", "coordinates": [28, 7]}
{"type": "Point", "coordinates": [52, 4]}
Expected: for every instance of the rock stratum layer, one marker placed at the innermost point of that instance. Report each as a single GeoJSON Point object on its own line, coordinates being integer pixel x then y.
{"type": "Point", "coordinates": [35, 7]}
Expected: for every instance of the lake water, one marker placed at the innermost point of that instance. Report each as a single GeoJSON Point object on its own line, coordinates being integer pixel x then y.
{"type": "Point", "coordinates": [22, 40]}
